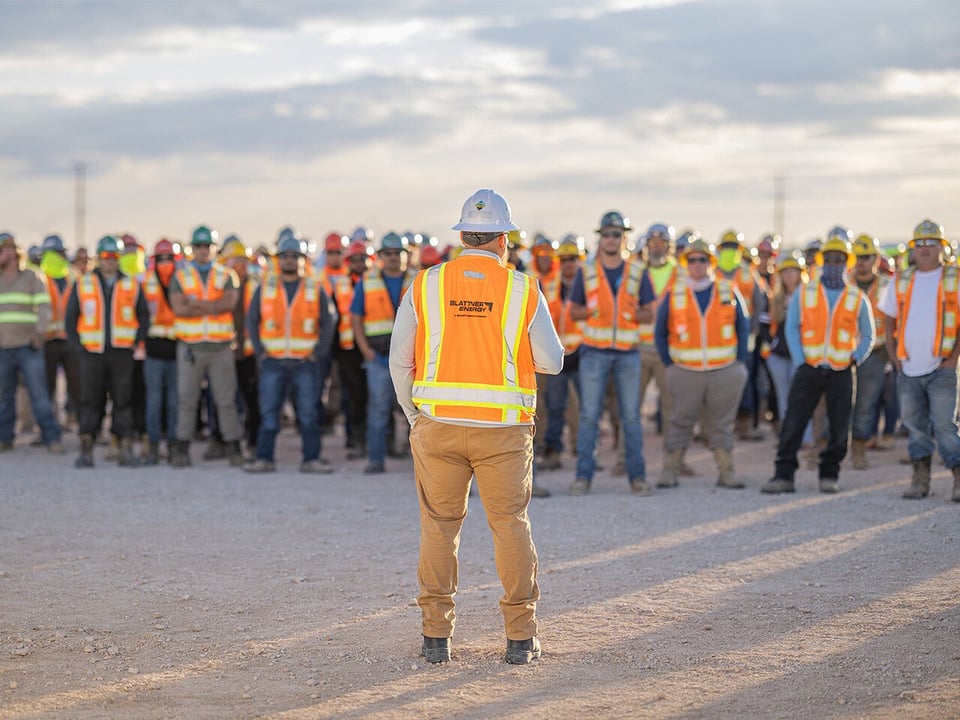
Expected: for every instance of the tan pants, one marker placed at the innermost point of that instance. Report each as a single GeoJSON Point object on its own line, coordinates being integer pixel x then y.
{"type": "Point", "coordinates": [445, 457]}
{"type": "Point", "coordinates": [218, 365]}
{"type": "Point", "coordinates": [712, 397]}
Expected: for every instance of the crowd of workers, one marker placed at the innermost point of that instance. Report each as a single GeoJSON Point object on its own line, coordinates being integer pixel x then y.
{"type": "Point", "coordinates": [217, 340]}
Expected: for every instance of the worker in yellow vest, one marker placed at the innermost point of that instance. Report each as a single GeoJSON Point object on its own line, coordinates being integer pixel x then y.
{"type": "Point", "coordinates": [829, 329]}
{"type": "Point", "coordinates": [373, 310]}
{"type": "Point", "coordinates": [469, 338]}
{"type": "Point", "coordinates": [107, 317]}
{"type": "Point", "coordinates": [203, 295]}
{"type": "Point", "coordinates": [291, 327]}
{"type": "Point", "coordinates": [871, 373]}
{"type": "Point", "coordinates": [160, 364]}
{"type": "Point", "coordinates": [56, 351]}
{"type": "Point", "coordinates": [24, 316]}
{"type": "Point", "coordinates": [922, 306]}
{"type": "Point", "coordinates": [701, 336]}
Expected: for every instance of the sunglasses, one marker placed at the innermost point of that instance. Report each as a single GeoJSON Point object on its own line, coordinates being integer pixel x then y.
{"type": "Point", "coordinates": [926, 242]}
{"type": "Point", "coordinates": [334, 252]}
{"type": "Point", "coordinates": [289, 256]}
{"type": "Point", "coordinates": [698, 259]}
{"type": "Point", "coordinates": [569, 258]}
{"type": "Point", "coordinates": [109, 256]}
{"type": "Point", "coordinates": [389, 253]}
{"type": "Point", "coordinates": [164, 258]}
{"type": "Point", "coordinates": [613, 234]}
{"type": "Point", "coordinates": [834, 259]}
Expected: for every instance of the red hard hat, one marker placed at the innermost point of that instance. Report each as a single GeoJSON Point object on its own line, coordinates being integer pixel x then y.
{"type": "Point", "coordinates": [335, 241]}
{"type": "Point", "coordinates": [165, 247]}
{"type": "Point", "coordinates": [129, 241]}
{"type": "Point", "coordinates": [359, 247]}
{"type": "Point", "coordinates": [429, 256]}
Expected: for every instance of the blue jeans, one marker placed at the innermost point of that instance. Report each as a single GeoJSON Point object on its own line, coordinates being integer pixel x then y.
{"type": "Point", "coordinates": [870, 381]}
{"type": "Point", "coordinates": [558, 391]}
{"type": "Point", "coordinates": [595, 366]}
{"type": "Point", "coordinates": [276, 378]}
{"type": "Point", "coordinates": [160, 377]}
{"type": "Point", "coordinates": [928, 409]}
{"type": "Point", "coordinates": [380, 399]}
{"type": "Point", "coordinates": [32, 368]}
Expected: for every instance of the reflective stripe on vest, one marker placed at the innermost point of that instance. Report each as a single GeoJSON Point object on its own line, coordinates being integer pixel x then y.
{"type": "Point", "coordinates": [123, 315]}
{"type": "Point", "coordinates": [379, 313]}
{"type": "Point", "coordinates": [56, 330]}
{"type": "Point", "coordinates": [875, 292]}
{"type": "Point", "coordinates": [289, 329]}
{"type": "Point", "coordinates": [829, 336]}
{"type": "Point", "coordinates": [613, 325]}
{"type": "Point", "coordinates": [204, 328]}
{"type": "Point", "coordinates": [442, 388]}
{"type": "Point", "coordinates": [703, 340]}
{"type": "Point", "coordinates": [945, 336]}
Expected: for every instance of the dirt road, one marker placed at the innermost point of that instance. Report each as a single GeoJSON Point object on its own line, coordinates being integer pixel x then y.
{"type": "Point", "coordinates": [208, 593]}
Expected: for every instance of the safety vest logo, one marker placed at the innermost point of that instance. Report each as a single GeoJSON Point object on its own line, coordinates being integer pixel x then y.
{"type": "Point", "coordinates": [474, 307]}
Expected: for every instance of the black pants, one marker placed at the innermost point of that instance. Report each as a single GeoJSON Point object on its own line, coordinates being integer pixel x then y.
{"type": "Point", "coordinates": [110, 372]}
{"type": "Point", "coordinates": [353, 379]}
{"type": "Point", "coordinates": [247, 384]}
{"type": "Point", "coordinates": [57, 353]}
{"type": "Point", "coordinates": [808, 384]}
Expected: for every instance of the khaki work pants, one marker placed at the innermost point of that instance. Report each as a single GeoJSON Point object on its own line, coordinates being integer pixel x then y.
{"type": "Point", "coordinates": [710, 396]}
{"type": "Point", "coordinates": [445, 457]}
{"type": "Point", "coordinates": [218, 365]}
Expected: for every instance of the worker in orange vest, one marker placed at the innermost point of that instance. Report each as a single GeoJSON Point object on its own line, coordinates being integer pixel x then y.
{"type": "Point", "coordinates": [469, 338]}
{"type": "Point", "coordinates": [160, 365]}
{"type": "Point", "coordinates": [829, 329]}
{"type": "Point", "coordinates": [57, 352]}
{"type": "Point", "coordinates": [107, 317]}
{"type": "Point", "coordinates": [701, 336]}
{"type": "Point", "coordinates": [291, 327]}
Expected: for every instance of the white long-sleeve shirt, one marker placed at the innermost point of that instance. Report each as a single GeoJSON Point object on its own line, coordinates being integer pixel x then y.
{"type": "Point", "coordinates": [545, 346]}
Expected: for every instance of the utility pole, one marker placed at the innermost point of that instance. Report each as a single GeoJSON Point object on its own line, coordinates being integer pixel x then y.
{"type": "Point", "coordinates": [779, 201]}
{"type": "Point", "coordinates": [79, 203]}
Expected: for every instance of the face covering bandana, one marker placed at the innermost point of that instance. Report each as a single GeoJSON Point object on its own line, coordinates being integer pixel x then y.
{"type": "Point", "coordinates": [132, 264]}
{"type": "Point", "coordinates": [832, 276]}
{"type": "Point", "coordinates": [54, 265]}
{"type": "Point", "coordinates": [729, 259]}
{"type": "Point", "coordinates": [165, 271]}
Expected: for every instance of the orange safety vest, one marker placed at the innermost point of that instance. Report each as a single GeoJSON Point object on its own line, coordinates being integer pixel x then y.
{"type": "Point", "coordinates": [339, 286]}
{"type": "Point", "coordinates": [550, 286]}
{"type": "Point", "coordinates": [162, 319]}
{"type": "Point", "coordinates": [473, 356]}
{"type": "Point", "coordinates": [569, 330]}
{"type": "Point", "coordinates": [123, 313]}
{"type": "Point", "coordinates": [646, 329]}
{"type": "Point", "coordinates": [746, 279]}
{"type": "Point", "coordinates": [378, 312]}
{"type": "Point", "coordinates": [829, 337]}
{"type": "Point", "coordinates": [946, 333]}
{"type": "Point", "coordinates": [56, 330]}
{"type": "Point", "coordinates": [289, 329]}
{"type": "Point", "coordinates": [613, 325]}
{"type": "Point", "coordinates": [703, 340]}
{"type": "Point", "coordinates": [874, 293]}
{"type": "Point", "coordinates": [205, 328]}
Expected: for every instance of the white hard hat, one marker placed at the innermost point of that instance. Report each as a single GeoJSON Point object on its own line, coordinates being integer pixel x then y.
{"type": "Point", "coordinates": [485, 211]}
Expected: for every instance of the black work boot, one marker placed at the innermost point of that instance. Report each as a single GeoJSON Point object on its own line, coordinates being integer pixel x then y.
{"type": "Point", "coordinates": [436, 650]}
{"type": "Point", "coordinates": [152, 456]}
{"type": "Point", "coordinates": [521, 652]}
{"type": "Point", "coordinates": [86, 452]}
{"type": "Point", "coordinates": [128, 458]}
{"type": "Point", "coordinates": [234, 453]}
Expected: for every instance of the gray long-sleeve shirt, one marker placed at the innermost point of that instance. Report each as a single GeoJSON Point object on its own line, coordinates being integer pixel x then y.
{"type": "Point", "coordinates": [545, 346]}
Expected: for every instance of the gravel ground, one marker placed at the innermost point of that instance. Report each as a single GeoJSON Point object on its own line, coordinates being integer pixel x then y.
{"type": "Point", "coordinates": [209, 593]}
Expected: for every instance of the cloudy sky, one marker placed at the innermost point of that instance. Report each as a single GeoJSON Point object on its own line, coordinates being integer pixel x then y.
{"type": "Point", "coordinates": [250, 115]}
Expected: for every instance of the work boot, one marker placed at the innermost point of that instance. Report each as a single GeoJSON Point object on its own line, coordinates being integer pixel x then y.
{"type": "Point", "coordinates": [776, 485]}
{"type": "Point", "coordinates": [539, 491]}
{"type": "Point", "coordinates": [216, 450]}
{"type": "Point", "coordinates": [152, 455]}
{"type": "Point", "coordinates": [638, 486]}
{"type": "Point", "coordinates": [317, 466]}
{"type": "Point", "coordinates": [521, 652]}
{"type": "Point", "coordinates": [260, 465]}
{"type": "Point", "coordinates": [550, 460]}
{"type": "Point", "coordinates": [955, 495]}
{"type": "Point", "coordinates": [727, 477]}
{"type": "Point", "coordinates": [671, 468]}
{"type": "Point", "coordinates": [435, 650]}
{"type": "Point", "coordinates": [858, 454]}
{"type": "Point", "coordinates": [920, 482]}
{"type": "Point", "coordinates": [829, 486]}
{"type": "Point", "coordinates": [234, 453]}
{"type": "Point", "coordinates": [86, 452]}
{"type": "Point", "coordinates": [128, 458]}
{"type": "Point", "coordinates": [180, 454]}
{"type": "Point", "coordinates": [744, 430]}
{"type": "Point", "coordinates": [580, 486]}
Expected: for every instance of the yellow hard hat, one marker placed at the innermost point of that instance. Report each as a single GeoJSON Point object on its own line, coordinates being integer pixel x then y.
{"type": "Point", "coordinates": [835, 244]}
{"type": "Point", "coordinates": [866, 245]}
{"type": "Point", "coordinates": [929, 230]}
{"type": "Point", "coordinates": [698, 247]}
{"type": "Point", "coordinates": [794, 259]}
{"type": "Point", "coordinates": [571, 246]}
{"type": "Point", "coordinates": [233, 248]}
{"type": "Point", "coordinates": [517, 238]}
{"type": "Point", "coordinates": [731, 237]}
